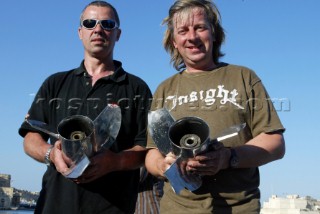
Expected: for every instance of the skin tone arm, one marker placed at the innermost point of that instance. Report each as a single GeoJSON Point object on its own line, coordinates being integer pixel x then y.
{"type": "Point", "coordinates": [108, 161]}
{"type": "Point", "coordinates": [101, 164]}
{"type": "Point", "coordinates": [36, 147]}
{"type": "Point", "coordinates": [157, 164]}
{"type": "Point", "coordinates": [261, 150]}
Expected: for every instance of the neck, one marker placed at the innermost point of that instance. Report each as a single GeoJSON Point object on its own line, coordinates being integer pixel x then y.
{"type": "Point", "coordinates": [96, 67]}
{"type": "Point", "coordinates": [193, 69]}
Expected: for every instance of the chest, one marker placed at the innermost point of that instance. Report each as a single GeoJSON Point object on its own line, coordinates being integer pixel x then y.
{"type": "Point", "coordinates": [204, 93]}
{"type": "Point", "coordinates": [78, 97]}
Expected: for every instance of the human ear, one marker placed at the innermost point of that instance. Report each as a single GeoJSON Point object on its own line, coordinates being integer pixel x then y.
{"type": "Point", "coordinates": [174, 44]}
{"type": "Point", "coordinates": [80, 33]}
{"type": "Point", "coordinates": [118, 34]}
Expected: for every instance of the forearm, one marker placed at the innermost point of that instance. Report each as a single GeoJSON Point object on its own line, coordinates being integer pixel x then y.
{"type": "Point", "coordinates": [130, 159]}
{"type": "Point", "coordinates": [107, 161]}
{"type": "Point", "coordinates": [35, 146]}
{"type": "Point", "coordinates": [261, 150]}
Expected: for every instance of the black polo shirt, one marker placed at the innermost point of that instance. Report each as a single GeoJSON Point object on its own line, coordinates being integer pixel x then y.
{"type": "Point", "coordinates": [69, 93]}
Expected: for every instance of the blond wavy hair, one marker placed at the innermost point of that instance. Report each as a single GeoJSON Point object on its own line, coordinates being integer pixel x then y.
{"type": "Point", "coordinates": [214, 18]}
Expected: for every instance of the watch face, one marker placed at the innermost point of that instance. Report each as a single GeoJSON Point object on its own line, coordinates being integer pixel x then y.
{"type": "Point", "coordinates": [234, 162]}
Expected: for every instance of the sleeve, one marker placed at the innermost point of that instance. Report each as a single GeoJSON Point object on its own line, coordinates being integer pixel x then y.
{"type": "Point", "coordinates": [264, 117]}
{"type": "Point", "coordinates": [142, 100]}
{"type": "Point", "coordinates": [38, 111]}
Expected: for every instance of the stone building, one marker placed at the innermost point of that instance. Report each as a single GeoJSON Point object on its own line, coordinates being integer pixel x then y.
{"type": "Point", "coordinates": [6, 194]}
{"type": "Point", "coordinates": [292, 204]}
{"type": "Point", "coordinates": [5, 180]}
{"type": "Point", "coordinates": [6, 191]}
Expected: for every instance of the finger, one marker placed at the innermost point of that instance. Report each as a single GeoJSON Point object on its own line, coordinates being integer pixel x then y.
{"type": "Point", "coordinates": [200, 168]}
{"type": "Point", "coordinates": [204, 163]}
{"type": "Point", "coordinates": [65, 171]}
{"type": "Point", "coordinates": [182, 164]}
{"type": "Point", "coordinates": [209, 172]}
{"type": "Point", "coordinates": [58, 144]}
{"type": "Point", "coordinates": [216, 145]}
{"type": "Point", "coordinates": [213, 155]}
{"type": "Point", "coordinates": [203, 166]}
{"type": "Point", "coordinates": [171, 155]}
{"type": "Point", "coordinates": [191, 171]}
{"type": "Point", "coordinates": [205, 157]}
{"type": "Point", "coordinates": [80, 179]}
{"type": "Point", "coordinates": [169, 160]}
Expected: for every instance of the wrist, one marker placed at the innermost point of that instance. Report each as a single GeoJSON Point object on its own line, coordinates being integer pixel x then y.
{"type": "Point", "coordinates": [226, 154]}
{"type": "Point", "coordinates": [234, 159]}
{"type": "Point", "coordinates": [47, 159]}
{"type": "Point", "coordinates": [161, 168]}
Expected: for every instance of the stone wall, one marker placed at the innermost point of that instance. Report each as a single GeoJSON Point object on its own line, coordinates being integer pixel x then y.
{"type": "Point", "coordinates": [6, 194]}
{"type": "Point", "coordinates": [5, 180]}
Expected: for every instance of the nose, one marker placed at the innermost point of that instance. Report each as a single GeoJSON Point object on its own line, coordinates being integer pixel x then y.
{"type": "Point", "coordinates": [98, 27]}
{"type": "Point", "coordinates": [192, 35]}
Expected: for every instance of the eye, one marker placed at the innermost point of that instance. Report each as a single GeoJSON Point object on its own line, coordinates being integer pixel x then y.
{"type": "Point", "coordinates": [201, 28]}
{"type": "Point", "coordinates": [89, 23]}
{"type": "Point", "coordinates": [181, 31]}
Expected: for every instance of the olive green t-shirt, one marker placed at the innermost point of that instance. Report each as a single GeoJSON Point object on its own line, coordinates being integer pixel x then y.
{"type": "Point", "coordinates": [226, 96]}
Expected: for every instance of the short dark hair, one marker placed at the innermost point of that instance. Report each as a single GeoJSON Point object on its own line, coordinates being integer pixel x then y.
{"type": "Point", "coordinates": [102, 4]}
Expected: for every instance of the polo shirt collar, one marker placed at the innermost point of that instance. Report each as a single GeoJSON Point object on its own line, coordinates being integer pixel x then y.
{"type": "Point", "coordinates": [118, 76]}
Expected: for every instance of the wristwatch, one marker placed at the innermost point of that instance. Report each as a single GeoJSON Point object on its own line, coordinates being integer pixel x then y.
{"type": "Point", "coordinates": [47, 156]}
{"type": "Point", "coordinates": [234, 159]}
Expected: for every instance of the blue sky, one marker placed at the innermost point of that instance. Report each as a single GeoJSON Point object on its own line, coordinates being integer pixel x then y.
{"type": "Point", "coordinates": [279, 39]}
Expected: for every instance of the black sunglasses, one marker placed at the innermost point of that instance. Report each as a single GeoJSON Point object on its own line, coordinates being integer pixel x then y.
{"type": "Point", "coordinates": [107, 24]}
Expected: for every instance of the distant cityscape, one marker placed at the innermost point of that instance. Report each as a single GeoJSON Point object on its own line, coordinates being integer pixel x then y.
{"type": "Point", "coordinates": [292, 204]}
{"type": "Point", "coordinates": [13, 199]}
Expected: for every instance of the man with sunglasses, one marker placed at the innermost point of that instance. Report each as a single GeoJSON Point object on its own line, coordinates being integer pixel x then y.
{"type": "Point", "coordinates": [110, 183]}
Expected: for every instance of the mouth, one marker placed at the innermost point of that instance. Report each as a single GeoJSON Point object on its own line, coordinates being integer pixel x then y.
{"type": "Point", "coordinates": [98, 40]}
{"type": "Point", "coordinates": [195, 47]}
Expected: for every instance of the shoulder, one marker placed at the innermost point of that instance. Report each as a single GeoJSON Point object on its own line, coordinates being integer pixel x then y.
{"type": "Point", "coordinates": [235, 68]}
{"type": "Point", "coordinates": [137, 85]}
{"type": "Point", "coordinates": [122, 74]}
{"type": "Point", "coordinates": [240, 71]}
{"type": "Point", "coordinates": [169, 82]}
{"type": "Point", "coordinates": [60, 75]}
{"type": "Point", "coordinates": [57, 78]}
{"type": "Point", "coordinates": [135, 80]}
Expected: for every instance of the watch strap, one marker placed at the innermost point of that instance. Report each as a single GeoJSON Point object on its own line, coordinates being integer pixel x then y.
{"type": "Point", "coordinates": [234, 160]}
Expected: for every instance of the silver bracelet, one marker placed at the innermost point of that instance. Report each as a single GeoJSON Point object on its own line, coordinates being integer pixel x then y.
{"type": "Point", "coordinates": [47, 156]}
